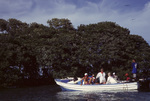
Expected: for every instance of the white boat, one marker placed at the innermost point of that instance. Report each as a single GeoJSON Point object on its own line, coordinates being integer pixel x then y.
{"type": "Point", "coordinates": [66, 84]}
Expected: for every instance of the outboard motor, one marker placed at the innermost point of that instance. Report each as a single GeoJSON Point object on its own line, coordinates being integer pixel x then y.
{"type": "Point", "coordinates": [144, 80]}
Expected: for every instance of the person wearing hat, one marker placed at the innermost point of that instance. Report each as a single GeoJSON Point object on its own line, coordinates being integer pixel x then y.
{"type": "Point", "coordinates": [85, 79]}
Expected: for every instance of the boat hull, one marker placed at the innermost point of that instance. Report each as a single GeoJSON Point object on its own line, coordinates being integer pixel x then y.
{"type": "Point", "coordinates": [117, 86]}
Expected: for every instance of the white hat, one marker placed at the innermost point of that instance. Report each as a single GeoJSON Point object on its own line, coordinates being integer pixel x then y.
{"type": "Point", "coordinates": [86, 74]}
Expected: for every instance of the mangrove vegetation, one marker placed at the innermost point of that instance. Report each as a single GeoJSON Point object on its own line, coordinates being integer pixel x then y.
{"type": "Point", "coordinates": [34, 54]}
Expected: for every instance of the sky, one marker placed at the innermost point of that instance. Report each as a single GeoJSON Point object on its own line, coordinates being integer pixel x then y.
{"type": "Point", "coordinates": [131, 14]}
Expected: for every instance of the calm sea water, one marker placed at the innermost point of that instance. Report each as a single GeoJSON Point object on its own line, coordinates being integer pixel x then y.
{"type": "Point", "coordinates": [53, 93]}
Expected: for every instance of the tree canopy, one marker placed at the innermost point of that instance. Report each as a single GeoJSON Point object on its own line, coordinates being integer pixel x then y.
{"type": "Point", "coordinates": [60, 50]}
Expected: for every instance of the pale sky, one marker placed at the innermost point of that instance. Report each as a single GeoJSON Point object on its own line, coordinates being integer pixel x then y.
{"type": "Point", "coordinates": [131, 14]}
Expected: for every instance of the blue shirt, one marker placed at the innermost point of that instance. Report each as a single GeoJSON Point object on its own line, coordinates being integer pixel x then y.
{"type": "Point", "coordinates": [134, 66]}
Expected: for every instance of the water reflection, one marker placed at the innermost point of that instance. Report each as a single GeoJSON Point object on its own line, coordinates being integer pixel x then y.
{"type": "Point", "coordinates": [43, 93]}
{"type": "Point", "coordinates": [53, 93]}
{"type": "Point", "coordinates": [103, 96]}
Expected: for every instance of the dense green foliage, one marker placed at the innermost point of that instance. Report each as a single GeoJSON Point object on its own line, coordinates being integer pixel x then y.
{"type": "Point", "coordinates": [61, 50]}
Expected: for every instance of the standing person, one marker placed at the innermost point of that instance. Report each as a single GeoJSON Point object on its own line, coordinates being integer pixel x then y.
{"type": "Point", "coordinates": [134, 68]}
{"type": "Point", "coordinates": [101, 76]}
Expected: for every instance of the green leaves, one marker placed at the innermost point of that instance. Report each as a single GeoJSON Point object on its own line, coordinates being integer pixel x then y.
{"type": "Point", "coordinates": [66, 51]}
{"type": "Point", "coordinates": [3, 25]}
{"type": "Point", "coordinates": [60, 24]}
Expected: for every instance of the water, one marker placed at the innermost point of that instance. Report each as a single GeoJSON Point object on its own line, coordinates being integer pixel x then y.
{"type": "Point", "coordinates": [104, 96]}
{"type": "Point", "coordinates": [53, 93]}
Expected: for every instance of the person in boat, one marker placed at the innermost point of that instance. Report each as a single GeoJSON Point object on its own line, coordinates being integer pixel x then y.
{"type": "Point", "coordinates": [134, 68]}
{"type": "Point", "coordinates": [85, 79]}
{"type": "Point", "coordinates": [115, 76]}
{"type": "Point", "coordinates": [127, 77]}
{"type": "Point", "coordinates": [101, 76]}
{"type": "Point", "coordinates": [110, 79]}
{"type": "Point", "coordinates": [92, 79]}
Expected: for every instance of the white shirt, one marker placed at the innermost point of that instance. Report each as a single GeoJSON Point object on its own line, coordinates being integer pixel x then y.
{"type": "Point", "coordinates": [101, 77]}
{"type": "Point", "coordinates": [111, 80]}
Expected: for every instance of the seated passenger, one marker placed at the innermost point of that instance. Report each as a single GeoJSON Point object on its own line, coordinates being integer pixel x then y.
{"type": "Point", "coordinates": [92, 79]}
{"type": "Point", "coordinates": [85, 79]}
{"type": "Point", "coordinates": [115, 76]}
{"type": "Point", "coordinates": [127, 77]}
{"type": "Point", "coordinates": [110, 79]}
